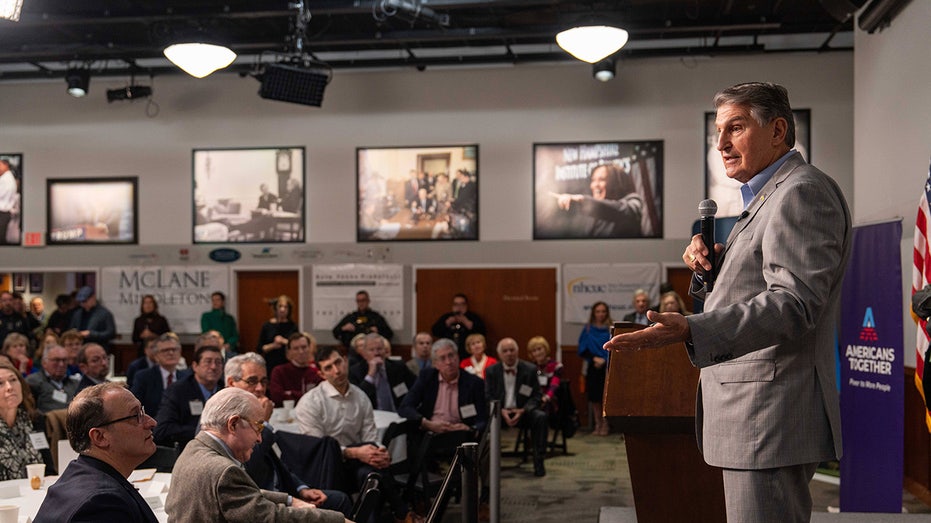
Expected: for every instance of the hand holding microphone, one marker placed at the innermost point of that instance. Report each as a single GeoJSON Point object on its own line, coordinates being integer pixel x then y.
{"type": "Point", "coordinates": [701, 254]}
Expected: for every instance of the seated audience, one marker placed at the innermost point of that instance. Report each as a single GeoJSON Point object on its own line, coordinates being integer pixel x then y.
{"type": "Point", "coordinates": [383, 380]}
{"type": "Point", "coordinates": [94, 364]}
{"type": "Point", "coordinates": [183, 402]}
{"type": "Point", "coordinates": [72, 340]}
{"type": "Point", "coordinates": [209, 482]}
{"type": "Point", "coordinates": [549, 373]}
{"type": "Point", "coordinates": [265, 467]}
{"type": "Point", "coordinates": [217, 338]}
{"type": "Point", "coordinates": [420, 353]}
{"type": "Point", "coordinates": [48, 339]}
{"type": "Point", "coordinates": [16, 411]}
{"type": "Point", "coordinates": [149, 385]}
{"type": "Point", "coordinates": [339, 409]}
{"type": "Point", "coordinates": [149, 322]}
{"type": "Point", "coordinates": [52, 388]}
{"type": "Point", "coordinates": [16, 347]}
{"type": "Point", "coordinates": [478, 361]}
{"type": "Point", "coordinates": [112, 435]}
{"type": "Point", "coordinates": [514, 383]}
{"type": "Point", "coordinates": [672, 302]}
{"type": "Point", "coordinates": [300, 374]}
{"type": "Point", "coordinates": [147, 360]}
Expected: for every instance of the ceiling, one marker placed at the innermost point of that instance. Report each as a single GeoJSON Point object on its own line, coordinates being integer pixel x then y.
{"type": "Point", "coordinates": [113, 36]}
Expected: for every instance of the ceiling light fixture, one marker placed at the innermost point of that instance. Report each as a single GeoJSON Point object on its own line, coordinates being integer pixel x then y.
{"type": "Point", "coordinates": [78, 81]}
{"type": "Point", "coordinates": [592, 43]}
{"type": "Point", "coordinates": [199, 59]}
{"type": "Point", "coordinates": [11, 9]}
{"type": "Point", "coordinates": [603, 71]}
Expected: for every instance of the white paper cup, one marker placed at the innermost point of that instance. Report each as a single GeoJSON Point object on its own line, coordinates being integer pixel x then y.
{"type": "Point", "coordinates": [36, 470]}
{"type": "Point", "coordinates": [9, 514]}
{"type": "Point", "coordinates": [288, 404]}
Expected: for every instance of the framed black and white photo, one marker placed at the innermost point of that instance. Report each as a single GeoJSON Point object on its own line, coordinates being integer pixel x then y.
{"type": "Point", "coordinates": [249, 195]}
{"type": "Point", "coordinates": [19, 282]}
{"type": "Point", "coordinates": [592, 190]}
{"type": "Point", "coordinates": [417, 193]}
{"type": "Point", "coordinates": [11, 199]}
{"type": "Point", "coordinates": [36, 282]}
{"type": "Point", "coordinates": [725, 191]}
{"type": "Point", "coordinates": [91, 211]}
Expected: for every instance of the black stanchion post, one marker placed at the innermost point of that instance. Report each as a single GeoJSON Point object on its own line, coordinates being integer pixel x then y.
{"type": "Point", "coordinates": [469, 470]}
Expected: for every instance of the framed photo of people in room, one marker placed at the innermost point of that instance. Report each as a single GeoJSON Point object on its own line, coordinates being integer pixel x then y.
{"type": "Point", "coordinates": [249, 195]}
{"type": "Point", "coordinates": [726, 192]}
{"type": "Point", "coordinates": [11, 199]}
{"type": "Point", "coordinates": [92, 211]}
{"type": "Point", "coordinates": [417, 193]}
{"type": "Point", "coordinates": [598, 190]}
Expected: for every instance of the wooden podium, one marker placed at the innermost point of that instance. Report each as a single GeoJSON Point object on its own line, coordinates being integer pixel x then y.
{"type": "Point", "coordinates": [650, 395]}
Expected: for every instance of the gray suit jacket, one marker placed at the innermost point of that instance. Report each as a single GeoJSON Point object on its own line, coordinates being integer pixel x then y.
{"type": "Point", "coordinates": [208, 485]}
{"type": "Point", "coordinates": [765, 345]}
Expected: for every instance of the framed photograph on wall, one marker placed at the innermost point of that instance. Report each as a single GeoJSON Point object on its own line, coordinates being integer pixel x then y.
{"type": "Point", "coordinates": [417, 193]}
{"type": "Point", "coordinates": [92, 211]}
{"type": "Point", "coordinates": [590, 190]}
{"type": "Point", "coordinates": [11, 199]}
{"type": "Point", "coordinates": [19, 282]}
{"type": "Point", "coordinates": [725, 191]}
{"type": "Point", "coordinates": [36, 282]}
{"type": "Point", "coordinates": [249, 195]}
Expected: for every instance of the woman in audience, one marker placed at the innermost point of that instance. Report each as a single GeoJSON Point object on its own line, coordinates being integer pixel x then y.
{"type": "Point", "coordinates": [478, 361]}
{"type": "Point", "coordinates": [273, 338]}
{"type": "Point", "coordinates": [591, 341]}
{"type": "Point", "coordinates": [549, 372]}
{"type": "Point", "coordinates": [17, 409]}
{"type": "Point", "coordinates": [672, 302]}
{"type": "Point", "coordinates": [15, 348]}
{"type": "Point", "coordinates": [148, 323]}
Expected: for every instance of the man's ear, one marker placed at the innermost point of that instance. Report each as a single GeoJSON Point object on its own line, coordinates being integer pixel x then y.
{"type": "Point", "coordinates": [99, 437]}
{"type": "Point", "coordinates": [780, 128]}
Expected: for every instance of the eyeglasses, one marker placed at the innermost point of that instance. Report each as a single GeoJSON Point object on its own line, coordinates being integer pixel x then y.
{"type": "Point", "coordinates": [167, 350]}
{"type": "Point", "coordinates": [253, 381]}
{"type": "Point", "coordinates": [139, 417]}
{"type": "Point", "coordinates": [257, 426]}
{"type": "Point", "coordinates": [58, 360]}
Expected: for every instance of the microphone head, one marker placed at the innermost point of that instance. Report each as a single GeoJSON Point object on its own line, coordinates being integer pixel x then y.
{"type": "Point", "coordinates": [707, 208]}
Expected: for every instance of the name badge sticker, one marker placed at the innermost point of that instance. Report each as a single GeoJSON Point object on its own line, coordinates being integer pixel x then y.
{"type": "Point", "coordinates": [400, 389]}
{"type": "Point", "coordinates": [197, 407]}
{"type": "Point", "coordinates": [468, 411]}
{"type": "Point", "coordinates": [38, 440]}
{"type": "Point", "coordinates": [60, 396]}
{"type": "Point", "coordinates": [542, 380]}
{"type": "Point", "coordinates": [525, 390]}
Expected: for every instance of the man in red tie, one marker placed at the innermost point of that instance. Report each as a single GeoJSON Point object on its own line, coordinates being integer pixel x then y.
{"type": "Point", "coordinates": [150, 384]}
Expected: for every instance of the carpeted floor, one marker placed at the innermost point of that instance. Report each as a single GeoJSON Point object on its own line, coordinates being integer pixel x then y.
{"type": "Point", "coordinates": [594, 475]}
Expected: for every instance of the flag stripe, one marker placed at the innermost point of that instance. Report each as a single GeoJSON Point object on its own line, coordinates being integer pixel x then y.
{"type": "Point", "coordinates": [921, 272]}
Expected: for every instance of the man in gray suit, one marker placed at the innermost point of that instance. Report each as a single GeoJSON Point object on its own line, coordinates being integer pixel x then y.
{"type": "Point", "coordinates": [209, 482]}
{"type": "Point", "coordinates": [767, 409]}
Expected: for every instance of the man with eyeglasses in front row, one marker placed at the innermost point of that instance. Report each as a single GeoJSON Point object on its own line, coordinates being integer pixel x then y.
{"type": "Point", "coordinates": [112, 435]}
{"type": "Point", "coordinates": [265, 467]}
{"type": "Point", "coordinates": [209, 482]}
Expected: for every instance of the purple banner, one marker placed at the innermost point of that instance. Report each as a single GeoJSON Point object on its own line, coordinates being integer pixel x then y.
{"type": "Point", "coordinates": [871, 370]}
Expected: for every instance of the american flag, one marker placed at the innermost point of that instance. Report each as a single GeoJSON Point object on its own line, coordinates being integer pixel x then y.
{"type": "Point", "coordinates": [921, 274]}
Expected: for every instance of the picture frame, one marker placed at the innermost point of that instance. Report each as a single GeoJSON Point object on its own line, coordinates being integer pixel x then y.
{"type": "Point", "coordinates": [725, 191]}
{"type": "Point", "coordinates": [417, 193]}
{"type": "Point", "coordinates": [19, 282]}
{"type": "Point", "coordinates": [36, 282]}
{"type": "Point", "coordinates": [92, 211]}
{"type": "Point", "coordinates": [625, 202]}
{"type": "Point", "coordinates": [249, 195]}
{"type": "Point", "coordinates": [11, 196]}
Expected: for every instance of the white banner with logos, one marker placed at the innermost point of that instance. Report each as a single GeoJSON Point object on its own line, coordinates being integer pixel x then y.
{"type": "Point", "coordinates": [612, 283]}
{"type": "Point", "coordinates": [335, 288]}
{"type": "Point", "coordinates": [182, 292]}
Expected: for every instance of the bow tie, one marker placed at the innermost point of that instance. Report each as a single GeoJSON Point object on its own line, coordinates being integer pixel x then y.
{"type": "Point", "coordinates": [510, 371]}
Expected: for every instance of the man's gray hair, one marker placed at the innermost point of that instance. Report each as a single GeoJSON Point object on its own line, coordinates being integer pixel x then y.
{"type": "Point", "coordinates": [233, 368]}
{"type": "Point", "coordinates": [441, 344]}
{"type": "Point", "coordinates": [375, 336]}
{"type": "Point", "coordinates": [224, 405]}
{"type": "Point", "coordinates": [766, 101]}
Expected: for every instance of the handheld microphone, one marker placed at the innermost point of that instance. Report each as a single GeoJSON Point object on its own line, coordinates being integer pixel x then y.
{"type": "Point", "coordinates": [706, 211]}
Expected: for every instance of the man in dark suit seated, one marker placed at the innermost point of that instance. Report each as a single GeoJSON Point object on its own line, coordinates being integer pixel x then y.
{"type": "Point", "coordinates": [150, 384]}
{"type": "Point", "coordinates": [514, 383]}
{"type": "Point", "coordinates": [94, 365]}
{"type": "Point", "coordinates": [183, 402]}
{"type": "Point", "coordinates": [209, 483]}
{"type": "Point", "coordinates": [112, 435]}
{"type": "Point", "coordinates": [247, 372]}
{"type": "Point", "coordinates": [146, 361]}
{"type": "Point", "coordinates": [51, 387]}
{"type": "Point", "coordinates": [641, 302]}
{"type": "Point", "coordinates": [384, 381]}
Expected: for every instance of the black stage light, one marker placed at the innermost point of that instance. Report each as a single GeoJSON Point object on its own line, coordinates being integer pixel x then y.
{"type": "Point", "coordinates": [294, 83]}
{"type": "Point", "coordinates": [78, 81]}
{"type": "Point", "coordinates": [130, 92]}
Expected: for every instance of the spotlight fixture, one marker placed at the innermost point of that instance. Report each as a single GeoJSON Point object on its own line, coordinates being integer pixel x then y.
{"type": "Point", "coordinates": [592, 43]}
{"type": "Point", "coordinates": [78, 81]}
{"type": "Point", "coordinates": [199, 59]}
{"type": "Point", "coordinates": [130, 92]}
{"type": "Point", "coordinates": [300, 82]}
{"type": "Point", "coordinates": [603, 71]}
{"type": "Point", "coordinates": [11, 9]}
